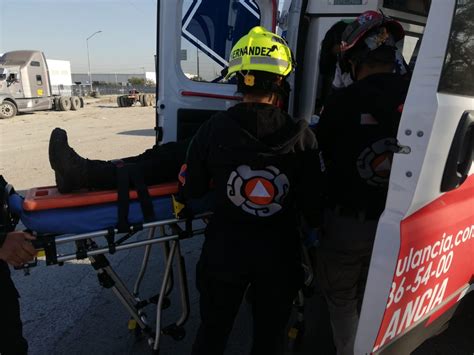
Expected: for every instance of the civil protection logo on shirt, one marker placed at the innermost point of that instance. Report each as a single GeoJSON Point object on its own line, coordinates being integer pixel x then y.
{"type": "Point", "coordinates": [375, 162]}
{"type": "Point", "coordinates": [258, 192]}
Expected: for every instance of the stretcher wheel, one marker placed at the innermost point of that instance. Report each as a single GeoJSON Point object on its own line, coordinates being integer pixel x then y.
{"type": "Point", "coordinates": [151, 342]}
{"type": "Point", "coordinates": [175, 331]}
{"type": "Point", "coordinates": [295, 335]}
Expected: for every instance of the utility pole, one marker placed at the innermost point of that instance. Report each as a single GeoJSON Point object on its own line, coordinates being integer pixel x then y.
{"type": "Point", "coordinates": [88, 57]}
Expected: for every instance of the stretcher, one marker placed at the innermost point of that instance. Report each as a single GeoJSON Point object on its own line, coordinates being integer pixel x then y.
{"type": "Point", "coordinates": [97, 223]}
{"type": "Point", "coordinates": [92, 223]}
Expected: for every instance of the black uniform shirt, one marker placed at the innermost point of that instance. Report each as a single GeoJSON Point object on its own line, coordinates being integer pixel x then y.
{"type": "Point", "coordinates": [265, 173]}
{"type": "Point", "coordinates": [357, 137]}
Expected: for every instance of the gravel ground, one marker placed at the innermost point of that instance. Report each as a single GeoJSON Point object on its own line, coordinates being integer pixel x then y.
{"type": "Point", "coordinates": [64, 309]}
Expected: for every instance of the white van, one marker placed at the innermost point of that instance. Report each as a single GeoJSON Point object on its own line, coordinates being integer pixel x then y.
{"type": "Point", "coordinates": [422, 264]}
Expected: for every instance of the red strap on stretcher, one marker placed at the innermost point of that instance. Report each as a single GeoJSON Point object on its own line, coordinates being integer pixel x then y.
{"type": "Point", "coordinates": [46, 198]}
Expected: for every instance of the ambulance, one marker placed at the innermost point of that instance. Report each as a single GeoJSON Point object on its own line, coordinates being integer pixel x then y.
{"type": "Point", "coordinates": [422, 265]}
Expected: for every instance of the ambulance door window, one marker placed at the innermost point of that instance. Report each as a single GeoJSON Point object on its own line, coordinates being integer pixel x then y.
{"type": "Point", "coordinates": [409, 48]}
{"type": "Point", "coordinates": [457, 76]}
{"type": "Point", "coordinates": [209, 30]}
{"type": "Point", "coordinates": [418, 7]}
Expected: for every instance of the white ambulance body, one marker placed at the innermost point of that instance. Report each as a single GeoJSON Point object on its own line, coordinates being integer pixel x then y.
{"type": "Point", "coordinates": [422, 263]}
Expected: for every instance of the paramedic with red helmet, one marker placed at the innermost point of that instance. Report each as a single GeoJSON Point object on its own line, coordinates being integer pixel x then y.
{"type": "Point", "coordinates": [265, 173]}
{"type": "Point", "coordinates": [357, 136]}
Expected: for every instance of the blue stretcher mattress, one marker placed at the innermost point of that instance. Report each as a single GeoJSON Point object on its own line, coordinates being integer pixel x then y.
{"type": "Point", "coordinates": [93, 218]}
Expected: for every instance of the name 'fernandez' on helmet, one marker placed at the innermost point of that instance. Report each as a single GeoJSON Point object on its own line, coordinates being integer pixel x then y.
{"type": "Point", "coordinates": [265, 174]}
{"type": "Point", "coordinates": [261, 60]}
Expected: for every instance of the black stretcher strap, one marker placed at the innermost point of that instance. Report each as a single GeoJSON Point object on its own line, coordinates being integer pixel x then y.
{"type": "Point", "coordinates": [143, 195]}
{"type": "Point", "coordinates": [123, 185]}
{"type": "Point", "coordinates": [125, 175]}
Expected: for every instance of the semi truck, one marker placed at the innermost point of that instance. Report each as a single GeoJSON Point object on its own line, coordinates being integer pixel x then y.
{"type": "Point", "coordinates": [25, 85]}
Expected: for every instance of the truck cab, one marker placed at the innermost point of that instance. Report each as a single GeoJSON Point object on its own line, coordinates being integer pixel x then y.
{"type": "Point", "coordinates": [24, 83]}
{"type": "Point", "coordinates": [422, 264]}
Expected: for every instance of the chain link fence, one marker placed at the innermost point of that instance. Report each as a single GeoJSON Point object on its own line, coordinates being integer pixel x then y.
{"type": "Point", "coordinates": [83, 90]}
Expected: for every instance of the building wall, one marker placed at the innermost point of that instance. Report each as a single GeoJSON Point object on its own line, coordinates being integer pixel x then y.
{"type": "Point", "coordinates": [151, 76]}
{"type": "Point", "coordinates": [112, 78]}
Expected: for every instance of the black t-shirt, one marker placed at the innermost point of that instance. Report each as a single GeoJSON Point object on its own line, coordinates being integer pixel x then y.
{"type": "Point", "coordinates": [357, 137]}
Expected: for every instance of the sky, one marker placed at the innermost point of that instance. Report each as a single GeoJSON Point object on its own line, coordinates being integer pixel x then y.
{"type": "Point", "coordinates": [59, 28]}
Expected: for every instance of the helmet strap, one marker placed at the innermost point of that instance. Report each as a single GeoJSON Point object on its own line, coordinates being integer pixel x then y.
{"type": "Point", "coordinates": [254, 82]}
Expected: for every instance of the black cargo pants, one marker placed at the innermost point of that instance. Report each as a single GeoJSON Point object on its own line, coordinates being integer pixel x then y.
{"type": "Point", "coordinates": [343, 260]}
{"type": "Point", "coordinates": [157, 165]}
{"type": "Point", "coordinates": [11, 338]}
{"type": "Point", "coordinates": [221, 294]}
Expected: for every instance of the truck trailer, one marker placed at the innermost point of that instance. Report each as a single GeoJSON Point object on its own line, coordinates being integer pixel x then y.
{"type": "Point", "coordinates": [25, 85]}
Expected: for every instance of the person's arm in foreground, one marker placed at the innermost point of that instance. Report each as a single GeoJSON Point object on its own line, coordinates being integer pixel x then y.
{"type": "Point", "coordinates": [17, 249]}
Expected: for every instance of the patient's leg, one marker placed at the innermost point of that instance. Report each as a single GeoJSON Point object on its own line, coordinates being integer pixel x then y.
{"type": "Point", "coordinates": [158, 164]}
{"type": "Point", "coordinates": [73, 172]}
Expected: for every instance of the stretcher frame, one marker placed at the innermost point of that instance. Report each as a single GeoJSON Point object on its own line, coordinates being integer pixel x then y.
{"type": "Point", "coordinates": [86, 247]}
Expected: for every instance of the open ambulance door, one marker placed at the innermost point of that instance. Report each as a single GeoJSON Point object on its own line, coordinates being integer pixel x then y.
{"type": "Point", "coordinates": [305, 35]}
{"type": "Point", "coordinates": [194, 41]}
{"type": "Point", "coordinates": [422, 263]}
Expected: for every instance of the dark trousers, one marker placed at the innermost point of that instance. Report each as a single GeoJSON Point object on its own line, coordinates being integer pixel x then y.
{"type": "Point", "coordinates": [159, 164]}
{"type": "Point", "coordinates": [342, 266]}
{"type": "Point", "coordinates": [221, 294]}
{"type": "Point", "coordinates": [11, 338]}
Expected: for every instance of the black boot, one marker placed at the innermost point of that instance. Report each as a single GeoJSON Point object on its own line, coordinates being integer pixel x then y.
{"type": "Point", "coordinates": [73, 172]}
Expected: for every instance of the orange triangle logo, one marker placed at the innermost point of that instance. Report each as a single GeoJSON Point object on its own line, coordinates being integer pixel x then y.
{"type": "Point", "coordinates": [260, 191]}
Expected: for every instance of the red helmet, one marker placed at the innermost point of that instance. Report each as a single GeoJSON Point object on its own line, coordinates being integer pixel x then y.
{"type": "Point", "coordinates": [366, 22]}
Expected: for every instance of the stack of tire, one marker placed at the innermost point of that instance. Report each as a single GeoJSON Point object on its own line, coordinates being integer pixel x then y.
{"type": "Point", "coordinates": [66, 103]}
{"type": "Point", "coordinates": [143, 99]}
